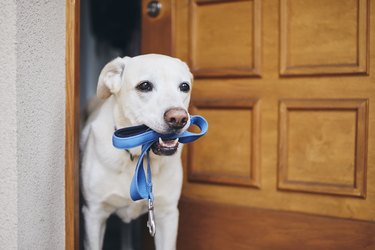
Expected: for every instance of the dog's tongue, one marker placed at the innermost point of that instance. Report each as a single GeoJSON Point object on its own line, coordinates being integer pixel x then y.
{"type": "Point", "coordinates": [168, 143]}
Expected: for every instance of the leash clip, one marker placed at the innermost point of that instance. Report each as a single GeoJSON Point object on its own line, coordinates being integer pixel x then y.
{"type": "Point", "coordinates": [151, 219]}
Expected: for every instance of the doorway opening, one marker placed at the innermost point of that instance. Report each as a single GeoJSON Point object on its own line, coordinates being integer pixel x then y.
{"type": "Point", "coordinates": [108, 29]}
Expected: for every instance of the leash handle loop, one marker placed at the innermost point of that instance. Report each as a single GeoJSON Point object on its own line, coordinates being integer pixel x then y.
{"type": "Point", "coordinates": [131, 137]}
{"type": "Point", "coordinates": [127, 138]}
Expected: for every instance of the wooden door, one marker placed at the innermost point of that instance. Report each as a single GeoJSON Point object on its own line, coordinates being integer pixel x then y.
{"type": "Point", "coordinates": [287, 87]}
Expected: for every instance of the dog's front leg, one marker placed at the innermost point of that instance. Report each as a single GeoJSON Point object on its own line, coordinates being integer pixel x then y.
{"type": "Point", "coordinates": [166, 229]}
{"type": "Point", "coordinates": [95, 224]}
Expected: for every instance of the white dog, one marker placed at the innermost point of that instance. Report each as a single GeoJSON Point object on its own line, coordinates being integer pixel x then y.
{"type": "Point", "coordinates": [153, 90]}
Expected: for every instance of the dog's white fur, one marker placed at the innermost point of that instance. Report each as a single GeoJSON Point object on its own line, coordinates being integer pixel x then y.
{"type": "Point", "coordinates": [106, 171]}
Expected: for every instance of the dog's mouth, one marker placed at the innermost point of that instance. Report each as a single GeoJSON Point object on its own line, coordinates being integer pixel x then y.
{"type": "Point", "coordinates": [165, 147]}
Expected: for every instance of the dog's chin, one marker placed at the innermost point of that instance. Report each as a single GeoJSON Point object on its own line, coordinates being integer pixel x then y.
{"type": "Point", "coordinates": [165, 147]}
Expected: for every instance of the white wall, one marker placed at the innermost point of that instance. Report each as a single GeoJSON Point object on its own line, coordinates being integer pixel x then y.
{"type": "Point", "coordinates": [33, 99]}
{"type": "Point", "coordinates": [8, 121]}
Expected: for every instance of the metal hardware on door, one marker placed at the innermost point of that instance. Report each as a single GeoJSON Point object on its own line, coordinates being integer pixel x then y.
{"type": "Point", "coordinates": [153, 8]}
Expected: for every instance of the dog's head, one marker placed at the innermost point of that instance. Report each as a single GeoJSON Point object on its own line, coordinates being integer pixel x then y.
{"type": "Point", "coordinates": [150, 89]}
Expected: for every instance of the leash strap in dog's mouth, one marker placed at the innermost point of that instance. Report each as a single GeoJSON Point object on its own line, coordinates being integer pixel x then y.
{"type": "Point", "coordinates": [127, 138]}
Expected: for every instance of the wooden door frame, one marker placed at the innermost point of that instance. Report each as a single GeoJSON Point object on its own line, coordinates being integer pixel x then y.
{"type": "Point", "coordinates": [72, 15]}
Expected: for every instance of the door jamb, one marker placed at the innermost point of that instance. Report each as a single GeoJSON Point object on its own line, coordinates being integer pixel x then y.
{"type": "Point", "coordinates": [72, 15]}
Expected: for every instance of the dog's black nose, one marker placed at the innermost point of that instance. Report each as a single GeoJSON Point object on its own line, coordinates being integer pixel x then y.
{"type": "Point", "coordinates": [176, 118]}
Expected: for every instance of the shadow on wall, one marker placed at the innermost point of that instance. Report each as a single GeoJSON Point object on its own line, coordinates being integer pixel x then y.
{"type": "Point", "coordinates": [109, 29]}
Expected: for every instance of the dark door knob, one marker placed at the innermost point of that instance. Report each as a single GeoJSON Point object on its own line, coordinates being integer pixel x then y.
{"type": "Point", "coordinates": [153, 8]}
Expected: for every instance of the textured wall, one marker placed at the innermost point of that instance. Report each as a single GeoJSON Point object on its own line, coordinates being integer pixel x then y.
{"type": "Point", "coordinates": [8, 146]}
{"type": "Point", "coordinates": [33, 99]}
{"type": "Point", "coordinates": [40, 123]}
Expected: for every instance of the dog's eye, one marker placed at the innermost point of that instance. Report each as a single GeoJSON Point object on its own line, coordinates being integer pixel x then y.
{"type": "Point", "coordinates": [184, 87]}
{"type": "Point", "coordinates": [145, 86]}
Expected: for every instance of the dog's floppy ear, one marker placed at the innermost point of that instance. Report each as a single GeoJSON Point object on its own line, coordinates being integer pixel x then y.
{"type": "Point", "coordinates": [110, 78]}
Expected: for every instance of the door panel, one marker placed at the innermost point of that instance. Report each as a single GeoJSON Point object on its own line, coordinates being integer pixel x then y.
{"type": "Point", "coordinates": [240, 143]}
{"type": "Point", "coordinates": [210, 33]}
{"type": "Point", "coordinates": [287, 87]}
{"type": "Point", "coordinates": [336, 33]}
{"type": "Point", "coordinates": [322, 146]}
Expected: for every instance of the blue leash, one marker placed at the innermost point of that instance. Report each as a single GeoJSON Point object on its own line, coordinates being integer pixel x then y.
{"type": "Point", "coordinates": [127, 138]}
